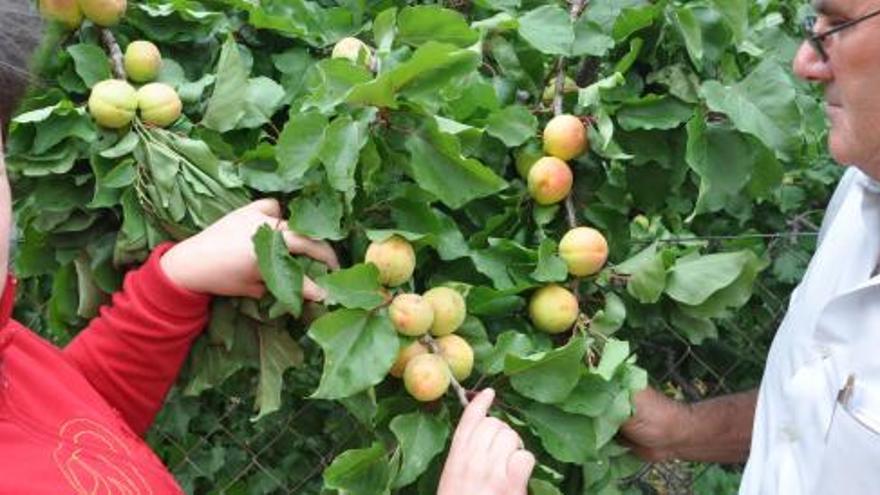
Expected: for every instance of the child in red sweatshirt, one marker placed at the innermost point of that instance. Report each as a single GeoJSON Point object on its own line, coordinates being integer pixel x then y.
{"type": "Point", "coordinates": [72, 419]}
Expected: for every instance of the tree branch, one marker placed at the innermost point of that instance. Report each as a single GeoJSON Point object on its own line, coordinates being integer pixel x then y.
{"type": "Point", "coordinates": [459, 390]}
{"type": "Point", "coordinates": [115, 53]}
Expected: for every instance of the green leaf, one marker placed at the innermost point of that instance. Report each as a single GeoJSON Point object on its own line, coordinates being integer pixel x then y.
{"type": "Point", "coordinates": [90, 62]}
{"type": "Point", "coordinates": [614, 354]}
{"type": "Point", "coordinates": [551, 268]}
{"type": "Point", "coordinates": [422, 23]}
{"type": "Point", "coordinates": [509, 265]}
{"type": "Point", "coordinates": [567, 437]}
{"type": "Point", "coordinates": [513, 125]}
{"type": "Point", "coordinates": [653, 112]}
{"type": "Point", "coordinates": [359, 349]}
{"type": "Point", "coordinates": [384, 29]}
{"type": "Point", "coordinates": [548, 376]}
{"type": "Point", "coordinates": [432, 66]}
{"type": "Point", "coordinates": [331, 82]}
{"type": "Point", "coordinates": [360, 471]}
{"type": "Point", "coordinates": [281, 273]}
{"type": "Point", "coordinates": [720, 183]}
{"type": "Point", "coordinates": [278, 352]}
{"type": "Point", "coordinates": [763, 105]}
{"type": "Point", "coordinates": [227, 104]}
{"type": "Point", "coordinates": [421, 437]}
{"type": "Point", "coordinates": [591, 397]}
{"type": "Point", "coordinates": [300, 143]}
{"type": "Point", "coordinates": [509, 343]}
{"type": "Point", "coordinates": [689, 27]}
{"type": "Point", "coordinates": [541, 487]}
{"type": "Point", "coordinates": [610, 318]}
{"type": "Point", "coordinates": [695, 328]}
{"type": "Point", "coordinates": [355, 287]}
{"type": "Point", "coordinates": [733, 295]}
{"type": "Point", "coordinates": [647, 275]}
{"type": "Point", "coordinates": [343, 141]}
{"type": "Point", "coordinates": [262, 99]}
{"type": "Point", "coordinates": [317, 214]}
{"type": "Point", "coordinates": [440, 230]}
{"type": "Point", "coordinates": [438, 166]}
{"type": "Point", "coordinates": [692, 280]}
{"type": "Point", "coordinates": [548, 28]}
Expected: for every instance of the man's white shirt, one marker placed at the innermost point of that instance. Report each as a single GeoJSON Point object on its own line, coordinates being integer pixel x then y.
{"type": "Point", "coordinates": [817, 423]}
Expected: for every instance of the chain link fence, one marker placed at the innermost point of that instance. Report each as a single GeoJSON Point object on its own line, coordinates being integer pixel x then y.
{"type": "Point", "coordinates": [212, 446]}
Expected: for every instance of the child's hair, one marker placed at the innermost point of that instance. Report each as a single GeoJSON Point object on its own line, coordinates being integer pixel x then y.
{"type": "Point", "coordinates": [21, 29]}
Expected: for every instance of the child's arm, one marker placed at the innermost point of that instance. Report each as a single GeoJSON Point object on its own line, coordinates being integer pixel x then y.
{"type": "Point", "coordinates": [487, 455]}
{"type": "Point", "coordinates": [133, 351]}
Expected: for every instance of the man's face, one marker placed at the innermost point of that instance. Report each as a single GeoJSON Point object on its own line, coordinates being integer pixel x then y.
{"type": "Point", "coordinates": [851, 77]}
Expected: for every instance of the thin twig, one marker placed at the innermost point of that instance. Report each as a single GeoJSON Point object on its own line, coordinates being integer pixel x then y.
{"type": "Point", "coordinates": [115, 53]}
{"type": "Point", "coordinates": [459, 390]}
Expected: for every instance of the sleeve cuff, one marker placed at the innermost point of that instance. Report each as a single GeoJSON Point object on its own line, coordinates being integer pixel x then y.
{"type": "Point", "coordinates": [164, 293]}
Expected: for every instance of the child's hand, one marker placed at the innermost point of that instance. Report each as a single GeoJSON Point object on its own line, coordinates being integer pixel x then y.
{"type": "Point", "coordinates": [487, 456]}
{"type": "Point", "coordinates": [221, 260]}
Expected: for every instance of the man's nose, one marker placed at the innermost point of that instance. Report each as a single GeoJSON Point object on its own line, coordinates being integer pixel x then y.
{"type": "Point", "coordinates": [809, 65]}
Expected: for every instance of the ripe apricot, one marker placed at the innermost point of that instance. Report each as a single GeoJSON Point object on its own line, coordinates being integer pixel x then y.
{"type": "Point", "coordinates": [426, 377]}
{"type": "Point", "coordinates": [550, 180]}
{"type": "Point", "coordinates": [112, 103]}
{"type": "Point", "coordinates": [404, 355]}
{"type": "Point", "coordinates": [450, 310]}
{"type": "Point", "coordinates": [104, 13]}
{"type": "Point", "coordinates": [142, 61]}
{"type": "Point", "coordinates": [565, 137]}
{"type": "Point", "coordinates": [395, 259]}
{"type": "Point", "coordinates": [411, 314]}
{"type": "Point", "coordinates": [553, 309]}
{"type": "Point", "coordinates": [458, 354]}
{"type": "Point", "coordinates": [159, 104]}
{"type": "Point", "coordinates": [584, 250]}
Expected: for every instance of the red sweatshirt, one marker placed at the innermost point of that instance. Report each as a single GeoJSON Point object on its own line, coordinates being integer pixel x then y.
{"type": "Point", "coordinates": [72, 420]}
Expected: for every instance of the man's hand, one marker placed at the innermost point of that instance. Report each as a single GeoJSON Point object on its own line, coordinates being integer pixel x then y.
{"type": "Point", "coordinates": [657, 426]}
{"type": "Point", "coordinates": [713, 430]}
{"type": "Point", "coordinates": [221, 260]}
{"type": "Point", "coordinates": [487, 456]}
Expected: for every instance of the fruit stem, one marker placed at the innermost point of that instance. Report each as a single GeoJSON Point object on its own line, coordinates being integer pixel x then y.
{"type": "Point", "coordinates": [459, 390]}
{"type": "Point", "coordinates": [115, 53]}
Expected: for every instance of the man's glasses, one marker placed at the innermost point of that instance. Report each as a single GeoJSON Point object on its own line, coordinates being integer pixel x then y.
{"type": "Point", "coordinates": [817, 40]}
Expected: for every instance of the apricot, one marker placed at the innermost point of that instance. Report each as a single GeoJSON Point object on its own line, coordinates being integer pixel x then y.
{"type": "Point", "coordinates": [450, 310]}
{"type": "Point", "coordinates": [404, 355]}
{"type": "Point", "coordinates": [426, 377]}
{"type": "Point", "coordinates": [411, 314]}
{"type": "Point", "coordinates": [353, 49]}
{"type": "Point", "coordinates": [395, 259]}
{"type": "Point", "coordinates": [112, 103]}
{"type": "Point", "coordinates": [159, 104]}
{"type": "Point", "coordinates": [142, 61]}
{"type": "Point", "coordinates": [550, 180]}
{"type": "Point", "coordinates": [553, 309]}
{"type": "Point", "coordinates": [565, 137]}
{"type": "Point", "coordinates": [104, 13]}
{"type": "Point", "coordinates": [584, 250]}
{"type": "Point", "coordinates": [66, 12]}
{"type": "Point", "coordinates": [458, 354]}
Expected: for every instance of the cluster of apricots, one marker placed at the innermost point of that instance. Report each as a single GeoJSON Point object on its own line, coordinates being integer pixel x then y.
{"type": "Point", "coordinates": [113, 103]}
{"type": "Point", "coordinates": [439, 312]}
{"type": "Point", "coordinates": [553, 308]}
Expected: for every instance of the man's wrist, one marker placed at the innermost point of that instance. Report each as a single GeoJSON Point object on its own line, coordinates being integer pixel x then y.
{"type": "Point", "coordinates": [682, 431]}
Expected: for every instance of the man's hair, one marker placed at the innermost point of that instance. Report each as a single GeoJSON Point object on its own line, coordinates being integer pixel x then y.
{"type": "Point", "coordinates": [20, 31]}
